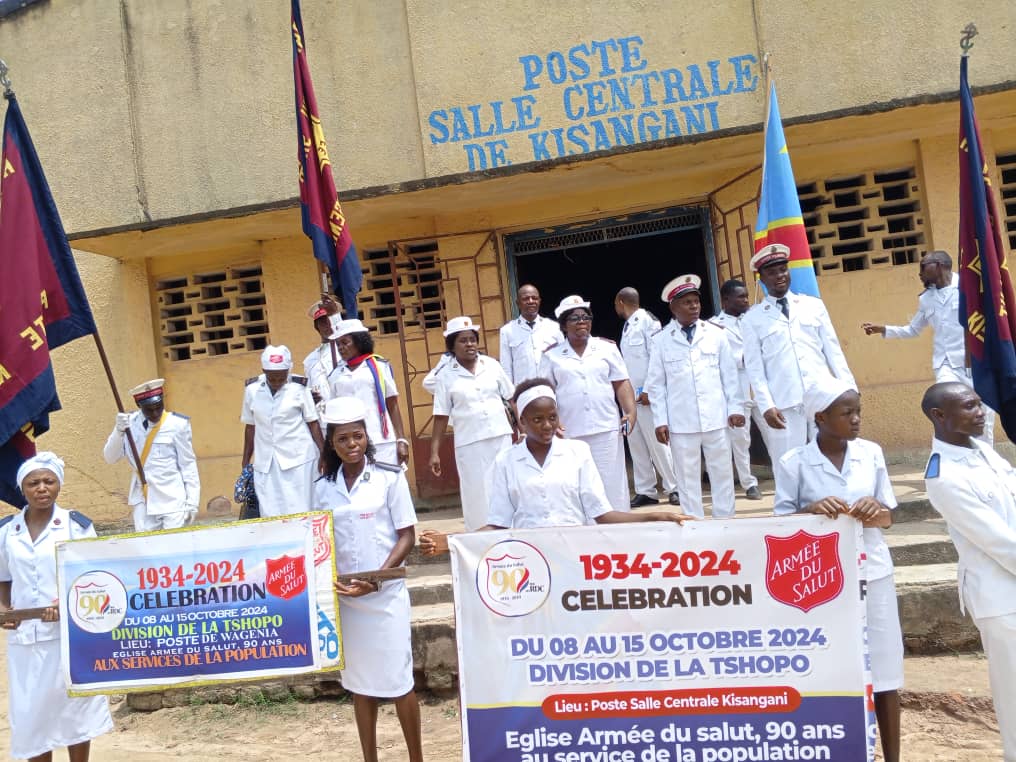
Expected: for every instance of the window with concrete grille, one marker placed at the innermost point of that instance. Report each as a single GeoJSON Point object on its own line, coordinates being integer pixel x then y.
{"type": "Point", "coordinates": [865, 220]}
{"type": "Point", "coordinates": [213, 313]}
{"type": "Point", "coordinates": [408, 278]}
{"type": "Point", "coordinates": [1007, 170]}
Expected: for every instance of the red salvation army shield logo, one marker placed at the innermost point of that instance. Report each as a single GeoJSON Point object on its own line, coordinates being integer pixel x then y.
{"type": "Point", "coordinates": [804, 570]}
{"type": "Point", "coordinates": [322, 537]}
{"type": "Point", "coordinates": [285, 577]}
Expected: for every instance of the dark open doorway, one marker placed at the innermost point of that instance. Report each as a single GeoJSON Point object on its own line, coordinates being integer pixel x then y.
{"type": "Point", "coordinates": [597, 259]}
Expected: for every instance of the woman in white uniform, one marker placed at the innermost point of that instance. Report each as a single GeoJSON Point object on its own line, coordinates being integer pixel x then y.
{"type": "Point", "coordinates": [545, 481]}
{"type": "Point", "coordinates": [369, 378]}
{"type": "Point", "coordinates": [470, 391]}
{"type": "Point", "coordinates": [374, 529]}
{"type": "Point", "coordinates": [282, 436]}
{"type": "Point", "coordinates": [42, 715]}
{"type": "Point", "coordinates": [838, 473]}
{"type": "Point", "coordinates": [591, 380]}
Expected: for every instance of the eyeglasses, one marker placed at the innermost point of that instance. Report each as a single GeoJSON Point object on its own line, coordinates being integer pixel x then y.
{"type": "Point", "coordinates": [580, 318]}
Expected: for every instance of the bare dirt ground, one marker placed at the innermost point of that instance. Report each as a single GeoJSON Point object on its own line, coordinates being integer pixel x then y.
{"type": "Point", "coordinates": [947, 718]}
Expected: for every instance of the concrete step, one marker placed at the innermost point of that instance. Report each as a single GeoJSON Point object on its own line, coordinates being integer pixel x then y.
{"type": "Point", "coordinates": [930, 611]}
{"type": "Point", "coordinates": [920, 542]}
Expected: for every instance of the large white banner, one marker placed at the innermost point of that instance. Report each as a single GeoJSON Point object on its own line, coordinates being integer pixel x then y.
{"type": "Point", "coordinates": [715, 641]}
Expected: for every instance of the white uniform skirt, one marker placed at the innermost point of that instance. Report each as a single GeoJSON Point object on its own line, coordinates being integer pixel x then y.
{"type": "Point", "coordinates": [387, 452]}
{"type": "Point", "coordinates": [608, 455]}
{"type": "Point", "coordinates": [885, 639]}
{"type": "Point", "coordinates": [281, 493]}
{"type": "Point", "coordinates": [42, 716]}
{"type": "Point", "coordinates": [473, 462]}
{"type": "Point", "coordinates": [377, 643]}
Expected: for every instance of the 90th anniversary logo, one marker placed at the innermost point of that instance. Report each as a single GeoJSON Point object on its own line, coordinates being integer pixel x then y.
{"type": "Point", "coordinates": [98, 602]}
{"type": "Point", "coordinates": [513, 578]}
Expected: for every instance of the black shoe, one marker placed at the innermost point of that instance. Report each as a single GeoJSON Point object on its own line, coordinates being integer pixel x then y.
{"type": "Point", "coordinates": [639, 500]}
{"type": "Point", "coordinates": [675, 499]}
{"type": "Point", "coordinates": [752, 493]}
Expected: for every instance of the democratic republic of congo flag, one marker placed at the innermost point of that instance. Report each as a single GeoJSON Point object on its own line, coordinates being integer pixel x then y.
{"type": "Point", "coordinates": [323, 220]}
{"type": "Point", "coordinates": [779, 209]}
{"type": "Point", "coordinates": [987, 306]}
{"type": "Point", "coordinates": [42, 302]}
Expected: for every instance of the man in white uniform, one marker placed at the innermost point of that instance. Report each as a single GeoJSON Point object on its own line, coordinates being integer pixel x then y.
{"type": "Point", "coordinates": [693, 379]}
{"type": "Point", "coordinates": [975, 491]}
{"type": "Point", "coordinates": [789, 344]}
{"type": "Point", "coordinates": [649, 457]}
{"type": "Point", "coordinates": [524, 339]}
{"type": "Point", "coordinates": [734, 301]}
{"type": "Point", "coordinates": [324, 358]}
{"type": "Point", "coordinates": [172, 491]}
{"type": "Point", "coordinates": [939, 306]}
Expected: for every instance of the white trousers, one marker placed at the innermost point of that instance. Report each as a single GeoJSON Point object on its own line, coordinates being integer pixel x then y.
{"type": "Point", "coordinates": [779, 441]}
{"type": "Point", "coordinates": [998, 635]}
{"type": "Point", "coordinates": [145, 523]}
{"type": "Point", "coordinates": [687, 450]}
{"type": "Point", "coordinates": [608, 455]}
{"type": "Point", "coordinates": [649, 457]}
{"type": "Point", "coordinates": [740, 443]}
{"type": "Point", "coordinates": [946, 373]}
{"type": "Point", "coordinates": [473, 462]}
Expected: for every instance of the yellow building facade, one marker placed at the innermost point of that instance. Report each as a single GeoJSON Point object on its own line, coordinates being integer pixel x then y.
{"type": "Point", "coordinates": [580, 145]}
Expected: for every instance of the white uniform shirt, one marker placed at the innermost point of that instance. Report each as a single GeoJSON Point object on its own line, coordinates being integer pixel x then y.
{"type": "Point", "coordinates": [171, 469]}
{"type": "Point", "coordinates": [280, 423]}
{"type": "Point", "coordinates": [565, 491]}
{"type": "Point", "coordinates": [975, 491]}
{"type": "Point", "coordinates": [780, 355]}
{"type": "Point", "coordinates": [430, 380]}
{"type": "Point", "coordinates": [735, 339]}
{"type": "Point", "coordinates": [939, 308]}
{"type": "Point", "coordinates": [522, 346]}
{"type": "Point", "coordinates": [474, 403]}
{"type": "Point", "coordinates": [30, 567]}
{"type": "Point", "coordinates": [636, 336]}
{"type": "Point", "coordinates": [367, 517]}
{"type": "Point", "coordinates": [584, 385]}
{"type": "Point", "coordinates": [359, 383]}
{"type": "Point", "coordinates": [804, 475]}
{"type": "Point", "coordinates": [693, 387]}
{"type": "Point", "coordinates": [318, 365]}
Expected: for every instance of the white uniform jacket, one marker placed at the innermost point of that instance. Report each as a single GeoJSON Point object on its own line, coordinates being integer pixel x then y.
{"type": "Point", "coordinates": [522, 346]}
{"type": "Point", "coordinates": [366, 518]}
{"type": "Point", "coordinates": [30, 567]}
{"type": "Point", "coordinates": [974, 489]}
{"type": "Point", "coordinates": [584, 385]}
{"type": "Point", "coordinates": [565, 491]}
{"type": "Point", "coordinates": [359, 383]}
{"type": "Point", "coordinates": [804, 475]}
{"type": "Point", "coordinates": [735, 338]}
{"type": "Point", "coordinates": [280, 424]}
{"type": "Point", "coordinates": [939, 308]}
{"type": "Point", "coordinates": [474, 402]}
{"type": "Point", "coordinates": [317, 365]}
{"type": "Point", "coordinates": [780, 354]}
{"type": "Point", "coordinates": [636, 336]}
{"type": "Point", "coordinates": [693, 387]}
{"type": "Point", "coordinates": [171, 468]}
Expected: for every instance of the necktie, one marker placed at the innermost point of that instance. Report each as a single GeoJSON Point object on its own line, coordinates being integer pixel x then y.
{"type": "Point", "coordinates": [146, 425]}
{"type": "Point", "coordinates": [689, 331]}
{"type": "Point", "coordinates": [784, 307]}
{"type": "Point", "coordinates": [530, 323]}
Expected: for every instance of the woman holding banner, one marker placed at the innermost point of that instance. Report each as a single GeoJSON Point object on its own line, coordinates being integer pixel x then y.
{"type": "Point", "coordinates": [374, 523]}
{"type": "Point", "coordinates": [42, 715]}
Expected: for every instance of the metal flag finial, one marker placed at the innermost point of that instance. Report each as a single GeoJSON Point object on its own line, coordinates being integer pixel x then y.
{"type": "Point", "coordinates": [967, 38]}
{"type": "Point", "coordinates": [5, 80]}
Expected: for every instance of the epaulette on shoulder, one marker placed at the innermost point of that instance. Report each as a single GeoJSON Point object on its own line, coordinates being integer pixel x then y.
{"type": "Point", "coordinates": [551, 346]}
{"type": "Point", "coordinates": [301, 380]}
{"type": "Point", "coordinates": [181, 415]}
{"type": "Point", "coordinates": [931, 472]}
{"type": "Point", "coordinates": [382, 359]}
{"type": "Point", "coordinates": [388, 466]}
{"type": "Point", "coordinates": [6, 520]}
{"type": "Point", "coordinates": [80, 519]}
{"type": "Point", "coordinates": [609, 341]}
{"type": "Point", "coordinates": [251, 380]}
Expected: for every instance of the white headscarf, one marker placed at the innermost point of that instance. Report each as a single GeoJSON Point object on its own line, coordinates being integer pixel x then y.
{"type": "Point", "coordinates": [820, 396]}
{"type": "Point", "coordinates": [47, 460]}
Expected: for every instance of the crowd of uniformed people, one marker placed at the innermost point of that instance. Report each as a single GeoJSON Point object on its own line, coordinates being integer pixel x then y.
{"type": "Point", "coordinates": [539, 442]}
